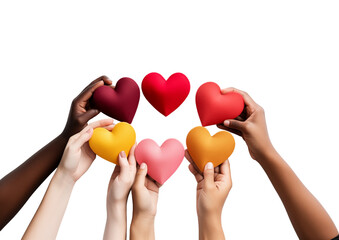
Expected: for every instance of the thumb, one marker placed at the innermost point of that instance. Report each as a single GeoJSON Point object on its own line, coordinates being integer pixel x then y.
{"type": "Point", "coordinates": [209, 175]}
{"type": "Point", "coordinates": [141, 176]}
{"type": "Point", "coordinates": [123, 163]}
{"type": "Point", "coordinates": [235, 124]}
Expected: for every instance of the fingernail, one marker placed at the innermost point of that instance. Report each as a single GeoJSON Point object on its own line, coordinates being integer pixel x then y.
{"type": "Point", "coordinates": [143, 166]}
{"type": "Point", "coordinates": [226, 123]}
{"type": "Point", "coordinates": [123, 154]}
{"type": "Point", "coordinates": [209, 165]}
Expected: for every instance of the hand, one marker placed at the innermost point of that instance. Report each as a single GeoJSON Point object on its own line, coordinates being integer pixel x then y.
{"type": "Point", "coordinates": [78, 156]}
{"type": "Point", "coordinates": [122, 179]}
{"type": "Point", "coordinates": [213, 187]}
{"type": "Point", "coordinates": [118, 189]}
{"type": "Point", "coordinates": [251, 126]}
{"type": "Point", "coordinates": [81, 111]}
{"type": "Point", "coordinates": [145, 193]}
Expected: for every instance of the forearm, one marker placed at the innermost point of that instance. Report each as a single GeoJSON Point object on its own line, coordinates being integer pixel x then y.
{"type": "Point", "coordinates": [46, 221]}
{"type": "Point", "coordinates": [210, 227]}
{"type": "Point", "coordinates": [309, 219]}
{"type": "Point", "coordinates": [116, 223]}
{"type": "Point", "coordinates": [26, 178]}
{"type": "Point", "coordinates": [142, 227]}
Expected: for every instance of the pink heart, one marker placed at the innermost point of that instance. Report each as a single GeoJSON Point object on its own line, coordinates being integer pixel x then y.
{"type": "Point", "coordinates": [162, 161]}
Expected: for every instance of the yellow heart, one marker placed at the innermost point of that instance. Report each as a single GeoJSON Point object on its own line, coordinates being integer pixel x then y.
{"type": "Point", "coordinates": [108, 144]}
{"type": "Point", "coordinates": [205, 148]}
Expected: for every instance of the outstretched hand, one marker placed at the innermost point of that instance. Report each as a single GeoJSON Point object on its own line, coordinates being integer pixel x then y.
{"type": "Point", "coordinates": [78, 156]}
{"type": "Point", "coordinates": [213, 187]}
{"type": "Point", "coordinates": [81, 111]}
{"type": "Point", "coordinates": [250, 125]}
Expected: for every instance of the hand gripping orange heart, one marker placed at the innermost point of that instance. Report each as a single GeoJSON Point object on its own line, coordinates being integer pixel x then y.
{"type": "Point", "coordinates": [108, 144]}
{"type": "Point", "coordinates": [205, 148]}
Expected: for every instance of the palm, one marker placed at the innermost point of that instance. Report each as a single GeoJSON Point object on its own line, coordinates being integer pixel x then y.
{"type": "Point", "coordinates": [150, 196]}
{"type": "Point", "coordinates": [85, 158]}
{"type": "Point", "coordinates": [202, 196]}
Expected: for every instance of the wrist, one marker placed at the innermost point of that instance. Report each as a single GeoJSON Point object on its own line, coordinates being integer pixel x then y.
{"type": "Point", "coordinates": [63, 178]}
{"type": "Point", "coordinates": [210, 227]}
{"type": "Point", "coordinates": [143, 217]}
{"type": "Point", "coordinates": [269, 154]}
{"type": "Point", "coordinates": [142, 227]}
{"type": "Point", "coordinates": [116, 209]}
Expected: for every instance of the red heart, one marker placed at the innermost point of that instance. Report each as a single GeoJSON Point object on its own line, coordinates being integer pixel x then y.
{"type": "Point", "coordinates": [120, 102]}
{"type": "Point", "coordinates": [215, 107]}
{"type": "Point", "coordinates": [165, 96]}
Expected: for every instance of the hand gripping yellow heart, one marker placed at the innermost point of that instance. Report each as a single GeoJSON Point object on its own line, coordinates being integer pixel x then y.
{"type": "Point", "coordinates": [205, 148]}
{"type": "Point", "coordinates": [108, 144]}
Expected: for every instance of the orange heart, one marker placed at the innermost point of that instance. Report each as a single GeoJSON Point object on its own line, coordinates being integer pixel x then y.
{"type": "Point", "coordinates": [108, 144]}
{"type": "Point", "coordinates": [205, 148]}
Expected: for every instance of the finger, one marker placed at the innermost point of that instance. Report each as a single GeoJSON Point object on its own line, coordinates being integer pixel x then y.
{"type": "Point", "coordinates": [225, 169]}
{"type": "Point", "coordinates": [198, 176]}
{"type": "Point", "coordinates": [103, 78]}
{"type": "Point", "coordinates": [131, 157]}
{"type": "Point", "coordinates": [82, 137]}
{"type": "Point", "coordinates": [109, 127]}
{"type": "Point", "coordinates": [235, 124]}
{"type": "Point", "coordinates": [247, 99]}
{"type": "Point", "coordinates": [101, 123]}
{"type": "Point", "coordinates": [89, 114]}
{"type": "Point", "coordinates": [237, 132]}
{"type": "Point", "coordinates": [209, 175]}
{"type": "Point", "coordinates": [189, 158]}
{"type": "Point", "coordinates": [140, 176]}
{"type": "Point", "coordinates": [89, 90]}
{"type": "Point", "coordinates": [123, 163]}
{"type": "Point", "coordinates": [239, 118]}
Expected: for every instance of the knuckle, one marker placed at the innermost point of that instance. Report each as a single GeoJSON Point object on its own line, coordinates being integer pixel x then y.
{"type": "Point", "coordinates": [260, 109]}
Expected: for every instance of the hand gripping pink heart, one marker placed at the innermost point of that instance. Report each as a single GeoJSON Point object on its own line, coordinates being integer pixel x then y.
{"type": "Point", "coordinates": [162, 161]}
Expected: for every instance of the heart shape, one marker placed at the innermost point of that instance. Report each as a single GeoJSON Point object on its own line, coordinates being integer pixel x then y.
{"type": "Point", "coordinates": [108, 144]}
{"type": "Point", "coordinates": [162, 161]}
{"type": "Point", "coordinates": [214, 107]}
{"type": "Point", "coordinates": [205, 148]}
{"type": "Point", "coordinates": [120, 102]}
{"type": "Point", "coordinates": [165, 96]}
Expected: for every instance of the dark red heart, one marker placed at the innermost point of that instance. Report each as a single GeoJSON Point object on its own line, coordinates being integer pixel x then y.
{"type": "Point", "coordinates": [165, 96]}
{"type": "Point", "coordinates": [120, 102]}
{"type": "Point", "coordinates": [214, 107]}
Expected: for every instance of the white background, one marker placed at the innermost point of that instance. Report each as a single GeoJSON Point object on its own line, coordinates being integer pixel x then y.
{"type": "Point", "coordinates": [285, 54]}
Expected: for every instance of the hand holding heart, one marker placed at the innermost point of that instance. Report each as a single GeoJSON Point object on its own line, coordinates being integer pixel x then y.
{"type": "Point", "coordinates": [251, 126]}
{"type": "Point", "coordinates": [108, 144]}
{"type": "Point", "coordinates": [121, 103]}
{"type": "Point", "coordinates": [204, 148]}
{"type": "Point", "coordinates": [78, 157]}
{"type": "Point", "coordinates": [162, 161]}
{"type": "Point", "coordinates": [213, 186]}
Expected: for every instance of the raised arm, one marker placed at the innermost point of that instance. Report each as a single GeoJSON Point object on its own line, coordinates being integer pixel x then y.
{"type": "Point", "coordinates": [75, 161]}
{"type": "Point", "coordinates": [30, 174]}
{"type": "Point", "coordinates": [309, 219]}
{"type": "Point", "coordinates": [213, 187]}
{"type": "Point", "coordinates": [118, 190]}
{"type": "Point", "coordinates": [145, 193]}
